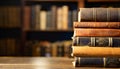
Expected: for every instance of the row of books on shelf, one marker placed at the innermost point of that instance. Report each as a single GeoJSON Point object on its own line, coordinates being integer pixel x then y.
{"type": "Point", "coordinates": [48, 49]}
{"type": "Point", "coordinates": [96, 38]}
{"type": "Point", "coordinates": [9, 47]}
{"type": "Point", "coordinates": [10, 17]}
{"type": "Point", "coordinates": [60, 18]}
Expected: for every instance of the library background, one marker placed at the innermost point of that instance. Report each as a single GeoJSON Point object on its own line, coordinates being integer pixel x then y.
{"type": "Point", "coordinates": [42, 28]}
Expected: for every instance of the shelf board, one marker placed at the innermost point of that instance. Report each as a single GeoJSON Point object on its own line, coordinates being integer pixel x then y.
{"type": "Point", "coordinates": [49, 35]}
{"type": "Point", "coordinates": [49, 30]}
{"type": "Point", "coordinates": [103, 0]}
{"type": "Point", "coordinates": [54, 0]}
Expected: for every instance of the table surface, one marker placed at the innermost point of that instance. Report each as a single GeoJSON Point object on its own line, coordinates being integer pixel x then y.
{"type": "Point", "coordinates": [39, 63]}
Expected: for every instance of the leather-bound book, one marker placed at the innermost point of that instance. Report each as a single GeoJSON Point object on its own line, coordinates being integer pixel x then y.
{"type": "Point", "coordinates": [96, 32]}
{"type": "Point", "coordinates": [99, 14]}
{"type": "Point", "coordinates": [108, 62]}
{"type": "Point", "coordinates": [115, 25]}
{"type": "Point", "coordinates": [96, 41]}
{"type": "Point", "coordinates": [86, 51]}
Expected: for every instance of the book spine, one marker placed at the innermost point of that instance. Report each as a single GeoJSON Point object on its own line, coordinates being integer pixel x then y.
{"type": "Point", "coordinates": [49, 24]}
{"type": "Point", "coordinates": [32, 24]}
{"type": "Point", "coordinates": [86, 51]}
{"type": "Point", "coordinates": [97, 41]}
{"type": "Point", "coordinates": [99, 14]}
{"type": "Point", "coordinates": [27, 11]}
{"type": "Point", "coordinates": [113, 25]}
{"type": "Point", "coordinates": [53, 17]}
{"type": "Point", "coordinates": [65, 10]}
{"type": "Point", "coordinates": [70, 24]}
{"type": "Point", "coordinates": [96, 62]}
{"type": "Point", "coordinates": [96, 32]}
{"type": "Point", "coordinates": [43, 19]}
{"type": "Point", "coordinates": [37, 9]}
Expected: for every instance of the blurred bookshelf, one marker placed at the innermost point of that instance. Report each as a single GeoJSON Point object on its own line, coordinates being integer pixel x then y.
{"type": "Point", "coordinates": [29, 26]}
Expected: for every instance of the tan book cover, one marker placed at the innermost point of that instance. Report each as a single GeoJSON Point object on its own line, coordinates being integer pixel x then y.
{"type": "Point", "coordinates": [86, 51]}
{"type": "Point", "coordinates": [65, 17]}
{"type": "Point", "coordinates": [43, 19]}
{"type": "Point", "coordinates": [59, 18]}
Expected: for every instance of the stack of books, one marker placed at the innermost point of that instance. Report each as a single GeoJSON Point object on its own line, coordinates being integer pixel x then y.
{"type": "Point", "coordinates": [96, 38]}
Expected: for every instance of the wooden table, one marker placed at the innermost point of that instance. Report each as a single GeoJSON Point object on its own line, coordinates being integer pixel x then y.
{"type": "Point", "coordinates": [38, 63]}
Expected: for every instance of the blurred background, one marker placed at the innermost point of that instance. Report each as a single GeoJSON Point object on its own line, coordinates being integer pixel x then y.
{"type": "Point", "coordinates": [42, 28]}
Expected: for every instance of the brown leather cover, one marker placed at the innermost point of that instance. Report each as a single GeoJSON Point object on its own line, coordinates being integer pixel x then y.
{"type": "Point", "coordinates": [96, 32]}
{"type": "Point", "coordinates": [96, 25]}
{"type": "Point", "coordinates": [86, 51]}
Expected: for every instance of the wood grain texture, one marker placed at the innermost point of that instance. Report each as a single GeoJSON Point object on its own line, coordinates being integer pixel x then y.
{"type": "Point", "coordinates": [39, 63]}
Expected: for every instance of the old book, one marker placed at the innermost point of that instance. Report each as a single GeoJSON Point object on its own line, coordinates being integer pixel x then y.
{"type": "Point", "coordinates": [65, 10]}
{"type": "Point", "coordinates": [70, 20]}
{"type": "Point", "coordinates": [13, 17]}
{"type": "Point", "coordinates": [97, 62]}
{"type": "Point", "coordinates": [53, 16]}
{"type": "Point", "coordinates": [49, 24]}
{"type": "Point", "coordinates": [96, 25]}
{"type": "Point", "coordinates": [59, 18]}
{"type": "Point", "coordinates": [86, 51]}
{"type": "Point", "coordinates": [27, 14]}
{"type": "Point", "coordinates": [67, 48]}
{"type": "Point", "coordinates": [43, 19]}
{"type": "Point", "coordinates": [11, 46]}
{"type": "Point", "coordinates": [97, 41]}
{"type": "Point", "coordinates": [37, 17]}
{"type": "Point", "coordinates": [54, 49]}
{"type": "Point", "coordinates": [33, 19]}
{"type": "Point", "coordinates": [99, 14]}
{"type": "Point", "coordinates": [29, 49]}
{"type": "Point", "coordinates": [60, 49]}
{"type": "Point", "coordinates": [96, 32]}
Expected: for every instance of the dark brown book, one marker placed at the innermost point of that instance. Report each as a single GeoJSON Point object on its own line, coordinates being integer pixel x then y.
{"type": "Point", "coordinates": [86, 51]}
{"type": "Point", "coordinates": [99, 14]}
{"type": "Point", "coordinates": [96, 25]}
{"type": "Point", "coordinates": [96, 32]}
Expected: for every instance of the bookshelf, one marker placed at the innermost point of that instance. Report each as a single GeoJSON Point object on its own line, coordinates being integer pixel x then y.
{"type": "Point", "coordinates": [50, 11]}
{"type": "Point", "coordinates": [10, 27]}
{"type": "Point", "coordinates": [30, 32]}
